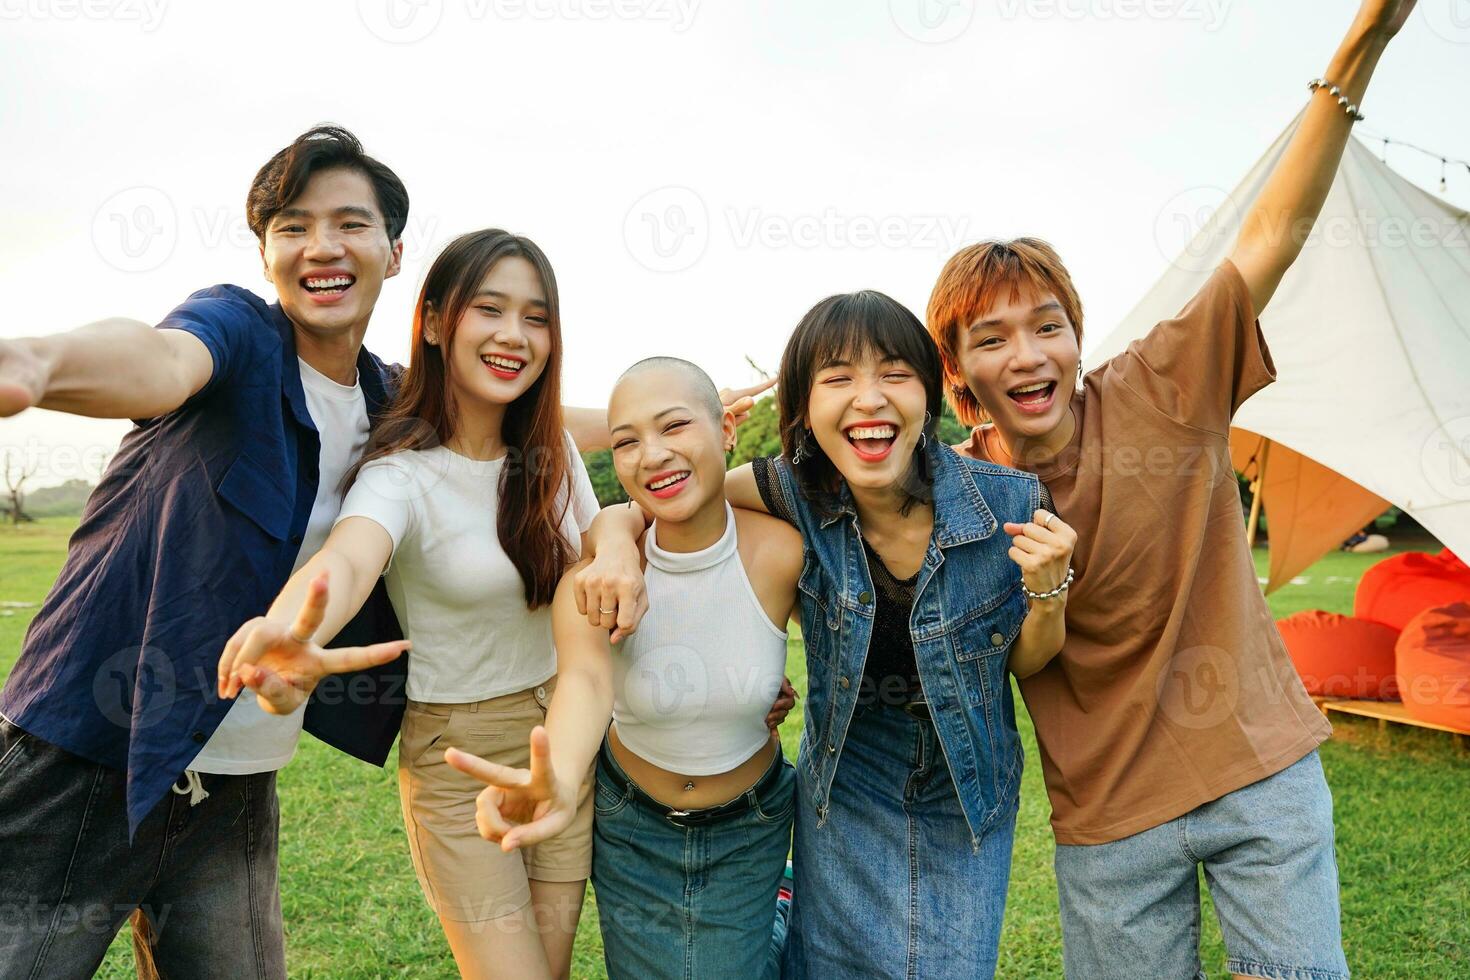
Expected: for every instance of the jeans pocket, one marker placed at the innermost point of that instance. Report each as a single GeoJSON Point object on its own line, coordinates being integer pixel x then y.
{"type": "Point", "coordinates": [12, 741]}
{"type": "Point", "coordinates": [777, 804]}
{"type": "Point", "coordinates": [608, 799]}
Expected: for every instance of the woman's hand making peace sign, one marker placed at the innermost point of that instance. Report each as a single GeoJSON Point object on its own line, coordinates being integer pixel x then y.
{"type": "Point", "coordinates": [282, 663]}
{"type": "Point", "coordinates": [519, 807]}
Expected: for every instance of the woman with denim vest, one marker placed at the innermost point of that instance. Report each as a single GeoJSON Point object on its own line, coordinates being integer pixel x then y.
{"type": "Point", "coordinates": [927, 577]}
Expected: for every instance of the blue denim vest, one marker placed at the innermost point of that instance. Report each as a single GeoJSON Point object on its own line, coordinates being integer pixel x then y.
{"type": "Point", "coordinates": [968, 611]}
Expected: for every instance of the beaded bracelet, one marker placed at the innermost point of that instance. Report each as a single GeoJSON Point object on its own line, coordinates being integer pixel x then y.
{"type": "Point", "coordinates": [1035, 596]}
{"type": "Point", "coordinates": [1336, 93]}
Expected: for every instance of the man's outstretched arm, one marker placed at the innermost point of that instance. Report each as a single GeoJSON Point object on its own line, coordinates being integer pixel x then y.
{"type": "Point", "coordinates": [116, 369]}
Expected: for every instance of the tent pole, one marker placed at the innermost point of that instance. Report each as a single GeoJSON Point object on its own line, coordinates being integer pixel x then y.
{"type": "Point", "coordinates": [1258, 484]}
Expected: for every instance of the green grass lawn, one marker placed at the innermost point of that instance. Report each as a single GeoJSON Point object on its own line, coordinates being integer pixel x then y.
{"type": "Point", "coordinates": [353, 908]}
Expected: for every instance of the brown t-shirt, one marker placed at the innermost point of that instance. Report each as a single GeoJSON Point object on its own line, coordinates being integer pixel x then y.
{"type": "Point", "coordinates": [1173, 687]}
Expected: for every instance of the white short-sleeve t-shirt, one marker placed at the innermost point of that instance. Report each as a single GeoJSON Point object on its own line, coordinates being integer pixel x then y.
{"type": "Point", "coordinates": [457, 595]}
{"type": "Point", "coordinates": [249, 740]}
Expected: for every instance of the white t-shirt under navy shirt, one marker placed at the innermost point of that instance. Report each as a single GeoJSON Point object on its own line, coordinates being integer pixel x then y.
{"type": "Point", "coordinates": [250, 740]}
{"type": "Point", "coordinates": [456, 592]}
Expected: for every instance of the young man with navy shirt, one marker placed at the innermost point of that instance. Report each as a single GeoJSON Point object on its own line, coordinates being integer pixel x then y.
{"type": "Point", "coordinates": [125, 782]}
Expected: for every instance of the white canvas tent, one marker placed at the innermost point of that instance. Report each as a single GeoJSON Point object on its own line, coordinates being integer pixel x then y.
{"type": "Point", "coordinates": [1370, 335]}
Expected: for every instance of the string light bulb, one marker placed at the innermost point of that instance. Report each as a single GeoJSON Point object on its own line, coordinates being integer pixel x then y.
{"type": "Point", "coordinates": [1445, 162]}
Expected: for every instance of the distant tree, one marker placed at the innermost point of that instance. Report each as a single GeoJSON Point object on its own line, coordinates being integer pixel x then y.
{"type": "Point", "coordinates": [16, 476]}
{"type": "Point", "coordinates": [951, 432]}
{"type": "Point", "coordinates": [604, 478]}
{"type": "Point", "coordinates": [759, 435]}
{"type": "Point", "coordinates": [67, 499]}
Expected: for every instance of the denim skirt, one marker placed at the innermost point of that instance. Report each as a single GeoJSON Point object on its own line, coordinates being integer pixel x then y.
{"type": "Point", "coordinates": [690, 897]}
{"type": "Point", "coordinates": [890, 885]}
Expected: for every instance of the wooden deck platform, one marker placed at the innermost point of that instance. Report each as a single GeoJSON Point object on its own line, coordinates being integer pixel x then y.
{"type": "Point", "coordinates": [1388, 711]}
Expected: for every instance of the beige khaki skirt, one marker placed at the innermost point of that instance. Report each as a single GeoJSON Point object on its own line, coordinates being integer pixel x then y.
{"type": "Point", "coordinates": [465, 877]}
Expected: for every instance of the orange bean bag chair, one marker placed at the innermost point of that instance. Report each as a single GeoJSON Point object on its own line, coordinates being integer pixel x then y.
{"type": "Point", "coordinates": [1340, 656]}
{"type": "Point", "coordinates": [1399, 588]}
{"type": "Point", "coordinates": [1434, 666]}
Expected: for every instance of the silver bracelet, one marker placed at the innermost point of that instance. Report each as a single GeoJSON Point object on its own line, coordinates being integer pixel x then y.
{"type": "Point", "coordinates": [1336, 93]}
{"type": "Point", "coordinates": [1034, 596]}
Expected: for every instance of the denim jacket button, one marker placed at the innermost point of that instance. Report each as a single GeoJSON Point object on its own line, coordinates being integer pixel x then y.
{"type": "Point", "coordinates": [844, 683]}
{"type": "Point", "coordinates": [865, 597]}
{"type": "Point", "coordinates": [831, 748]}
{"type": "Point", "coordinates": [996, 639]}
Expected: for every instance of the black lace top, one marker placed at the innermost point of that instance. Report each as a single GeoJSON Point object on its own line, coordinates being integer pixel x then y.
{"type": "Point", "coordinates": [890, 674]}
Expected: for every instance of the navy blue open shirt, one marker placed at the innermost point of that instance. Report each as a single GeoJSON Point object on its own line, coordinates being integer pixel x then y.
{"type": "Point", "coordinates": [193, 530]}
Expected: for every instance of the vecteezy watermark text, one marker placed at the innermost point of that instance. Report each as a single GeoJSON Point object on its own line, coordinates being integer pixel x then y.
{"type": "Point", "coordinates": [148, 14]}
{"type": "Point", "coordinates": [137, 229]}
{"type": "Point", "coordinates": [833, 229]}
{"type": "Point", "coordinates": [669, 229]}
{"type": "Point", "coordinates": [1209, 13]}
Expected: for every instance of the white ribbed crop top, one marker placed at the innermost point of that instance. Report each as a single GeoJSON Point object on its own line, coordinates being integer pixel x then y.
{"type": "Point", "coordinates": [692, 688]}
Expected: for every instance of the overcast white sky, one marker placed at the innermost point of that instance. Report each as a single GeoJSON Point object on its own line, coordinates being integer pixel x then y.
{"type": "Point", "coordinates": [699, 171]}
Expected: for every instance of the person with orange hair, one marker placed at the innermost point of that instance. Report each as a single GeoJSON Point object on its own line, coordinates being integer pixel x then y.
{"type": "Point", "coordinates": [1173, 731]}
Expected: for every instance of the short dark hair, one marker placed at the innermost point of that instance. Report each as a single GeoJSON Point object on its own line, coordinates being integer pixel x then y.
{"type": "Point", "coordinates": [847, 327]}
{"type": "Point", "coordinates": [320, 148]}
{"type": "Point", "coordinates": [704, 386]}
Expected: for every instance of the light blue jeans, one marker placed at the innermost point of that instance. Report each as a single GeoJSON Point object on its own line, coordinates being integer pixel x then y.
{"type": "Point", "coordinates": [1131, 907]}
{"type": "Point", "coordinates": [690, 902]}
{"type": "Point", "coordinates": [889, 885]}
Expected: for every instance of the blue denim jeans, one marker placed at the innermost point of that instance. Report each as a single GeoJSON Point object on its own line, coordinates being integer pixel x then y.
{"type": "Point", "coordinates": [1267, 851]}
{"type": "Point", "coordinates": [690, 901]}
{"type": "Point", "coordinates": [205, 873]}
{"type": "Point", "coordinates": [890, 884]}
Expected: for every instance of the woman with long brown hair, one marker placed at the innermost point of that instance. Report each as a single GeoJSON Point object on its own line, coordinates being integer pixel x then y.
{"type": "Point", "coordinates": [472, 502]}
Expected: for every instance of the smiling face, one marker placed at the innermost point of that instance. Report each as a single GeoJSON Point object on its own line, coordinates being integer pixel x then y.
{"type": "Point", "coordinates": [328, 252]}
{"type": "Point", "coordinates": [867, 413]}
{"type": "Point", "coordinates": [502, 343]}
{"type": "Point", "coordinates": [668, 446]}
{"type": "Point", "coordinates": [1019, 359]}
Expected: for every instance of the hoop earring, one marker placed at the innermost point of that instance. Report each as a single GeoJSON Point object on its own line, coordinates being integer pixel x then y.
{"type": "Point", "coordinates": [801, 453]}
{"type": "Point", "coordinates": [924, 432]}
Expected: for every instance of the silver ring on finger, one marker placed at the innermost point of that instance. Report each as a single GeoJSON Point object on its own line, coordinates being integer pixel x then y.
{"type": "Point", "coordinates": [1049, 519]}
{"type": "Point", "coordinates": [606, 612]}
